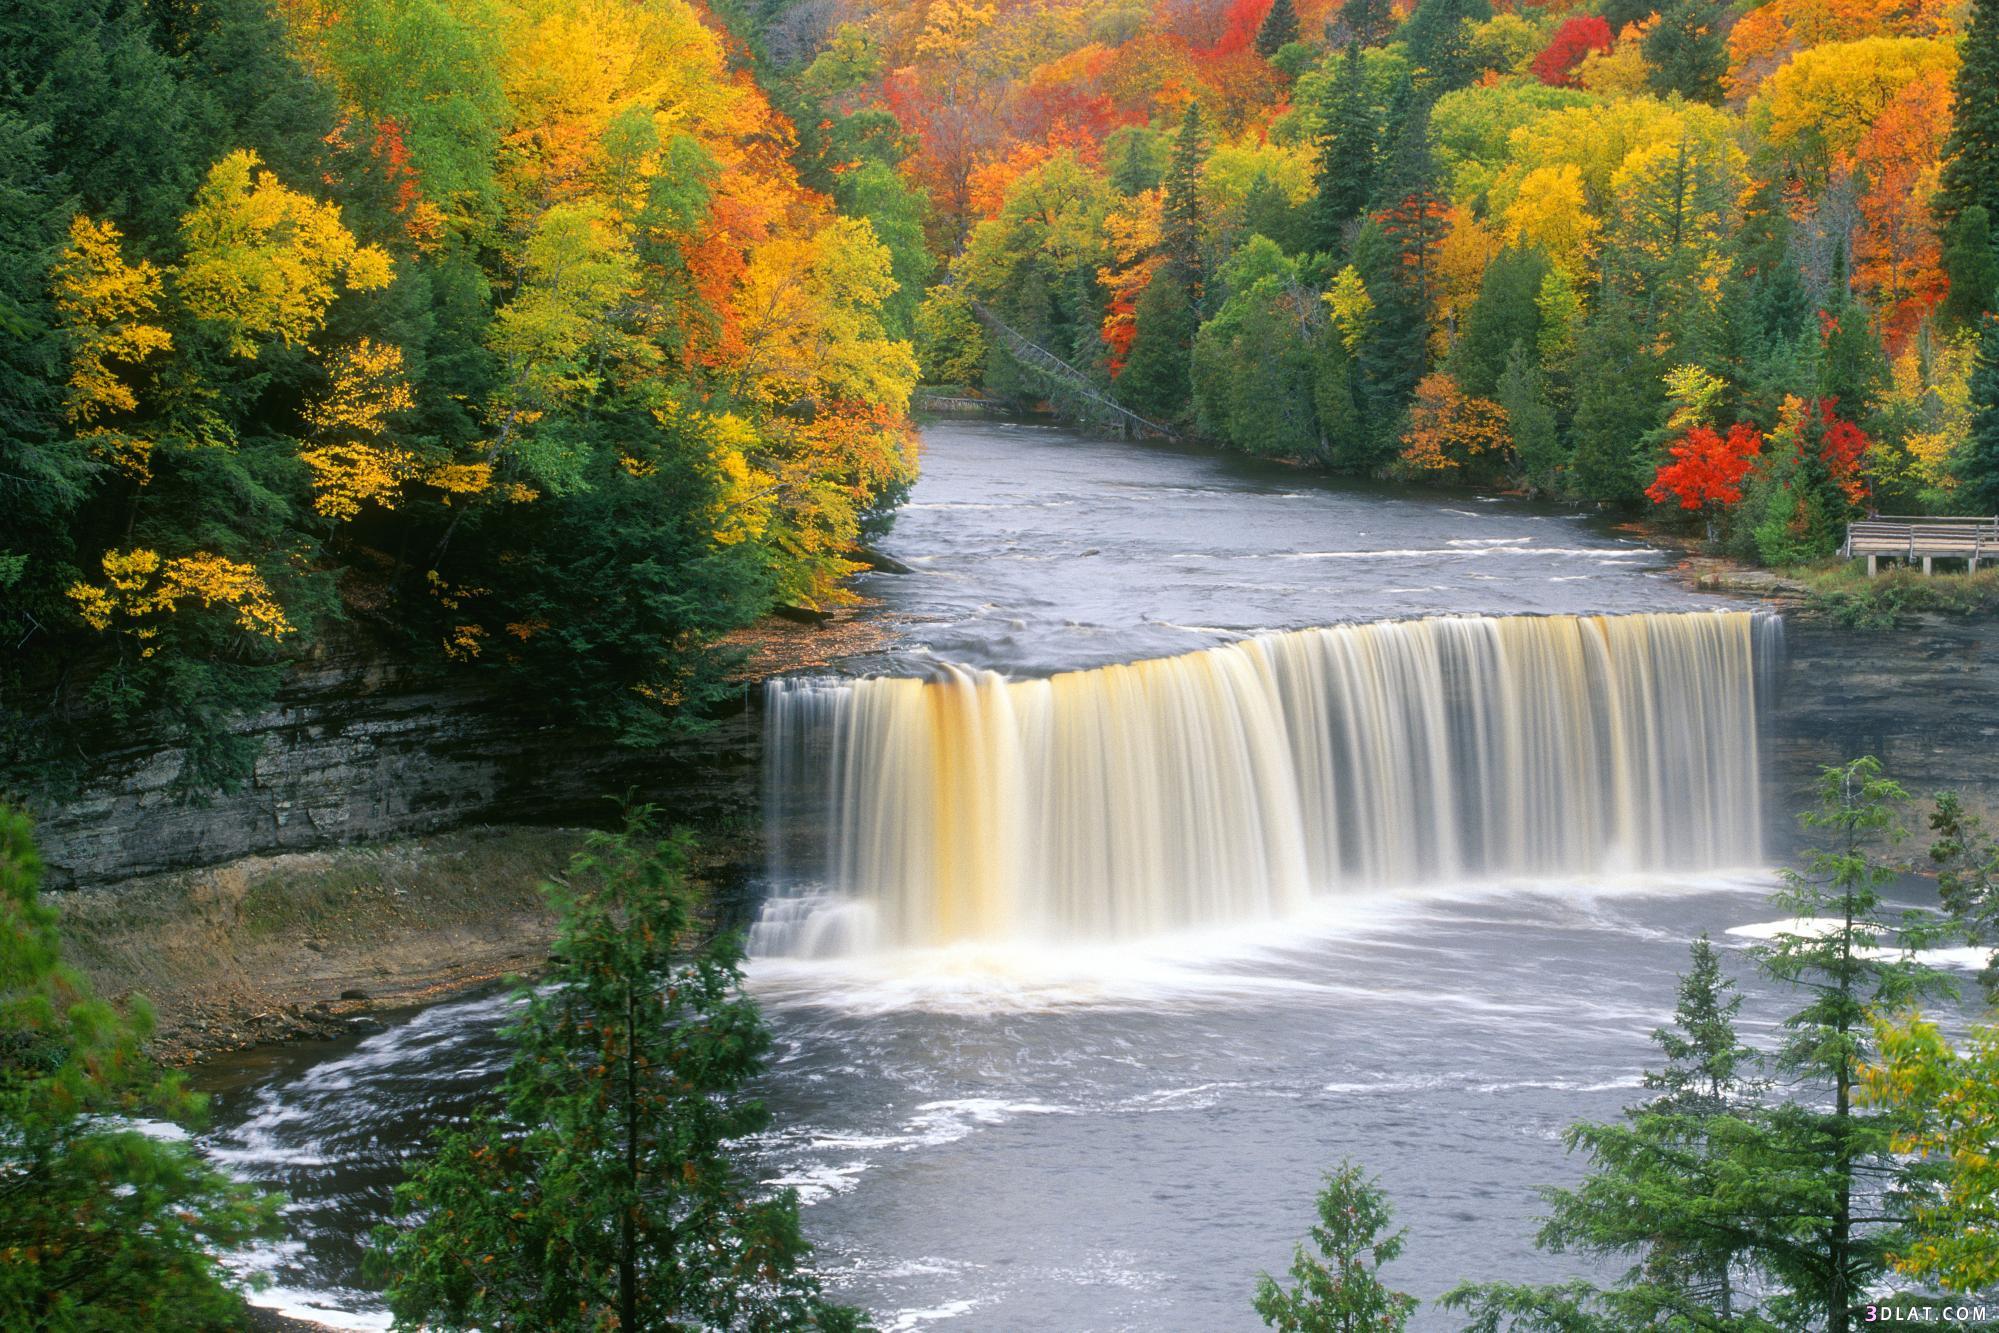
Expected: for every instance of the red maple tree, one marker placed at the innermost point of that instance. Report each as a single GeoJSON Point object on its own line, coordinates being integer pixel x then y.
{"type": "Point", "coordinates": [1556, 65]}
{"type": "Point", "coordinates": [1707, 470]}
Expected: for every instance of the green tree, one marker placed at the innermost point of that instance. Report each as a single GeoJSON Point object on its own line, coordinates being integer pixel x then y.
{"type": "Point", "coordinates": [1971, 156]}
{"type": "Point", "coordinates": [1156, 381]}
{"type": "Point", "coordinates": [1253, 366]}
{"type": "Point", "coordinates": [1978, 462]}
{"type": "Point", "coordinates": [603, 1192]}
{"type": "Point", "coordinates": [1742, 1213]}
{"type": "Point", "coordinates": [1180, 223]}
{"type": "Point", "coordinates": [1971, 264]}
{"type": "Point", "coordinates": [1278, 29]}
{"type": "Point", "coordinates": [1966, 858]}
{"type": "Point", "coordinates": [1618, 399]}
{"type": "Point", "coordinates": [1686, 52]}
{"type": "Point", "coordinates": [104, 1223]}
{"type": "Point", "coordinates": [1339, 1290]}
{"type": "Point", "coordinates": [1345, 146]}
{"type": "Point", "coordinates": [1537, 443]}
{"type": "Point", "coordinates": [1367, 22]}
{"type": "Point", "coordinates": [1504, 316]}
{"type": "Point", "coordinates": [1438, 35]}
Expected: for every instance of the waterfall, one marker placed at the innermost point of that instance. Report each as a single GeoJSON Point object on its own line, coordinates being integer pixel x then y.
{"type": "Point", "coordinates": [1241, 781]}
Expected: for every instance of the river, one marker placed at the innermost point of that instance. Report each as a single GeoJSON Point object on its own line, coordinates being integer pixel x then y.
{"type": "Point", "coordinates": [1060, 1118]}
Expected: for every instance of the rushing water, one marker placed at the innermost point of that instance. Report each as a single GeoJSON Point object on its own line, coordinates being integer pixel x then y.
{"type": "Point", "coordinates": [1080, 977]}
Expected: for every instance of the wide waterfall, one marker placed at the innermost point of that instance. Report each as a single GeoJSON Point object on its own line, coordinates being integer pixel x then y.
{"type": "Point", "coordinates": [1241, 781]}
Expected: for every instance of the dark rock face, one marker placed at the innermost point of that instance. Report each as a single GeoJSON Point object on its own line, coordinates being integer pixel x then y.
{"type": "Point", "coordinates": [359, 751]}
{"type": "Point", "coordinates": [1922, 698]}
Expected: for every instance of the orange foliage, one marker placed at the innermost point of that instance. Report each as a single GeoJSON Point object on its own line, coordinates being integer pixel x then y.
{"type": "Point", "coordinates": [1765, 36]}
{"type": "Point", "coordinates": [1897, 255]}
{"type": "Point", "coordinates": [1450, 431]}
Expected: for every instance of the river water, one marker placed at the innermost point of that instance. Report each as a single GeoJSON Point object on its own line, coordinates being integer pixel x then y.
{"type": "Point", "coordinates": [1118, 1130]}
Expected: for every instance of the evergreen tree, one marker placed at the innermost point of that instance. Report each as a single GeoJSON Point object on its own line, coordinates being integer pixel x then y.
{"type": "Point", "coordinates": [1278, 29]}
{"type": "Point", "coordinates": [1180, 225]}
{"type": "Point", "coordinates": [1367, 22]}
{"type": "Point", "coordinates": [1268, 211]}
{"type": "Point", "coordinates": [1133, 154]}
{"type": "Point", "coordinates": [1977, 466]}
{"type": "Point", "coordinates": [1971, 156]}
{"type": "Point", "coordinates": [1618, 400]}
{"type": "Point", "coordinates": [1156, 380]}
{"type": "Point", "coordinates": [603, 1191]}
{"type": "Point", "coordinates": [1503, 317]}
{"type": "Point", "coordinates": [1522, 391]}
{"type": "Point", "coordinates": [1686, 52]}
{"type": "Point", "coordinates": [1346, 155]}
{"type": "Point", "coordinates": [1339, 1290]}
{"type": "Point", "coordinates": [103, 1225]}
{"type": "Point", "coordinates": [1971, 263]}
{"type": "Point", "coordinates": [1438, 35]}
{"type": "Point", "coordinates": [1646, 1197]}
{"type": "Point", "coordinates": [1743, 1214]}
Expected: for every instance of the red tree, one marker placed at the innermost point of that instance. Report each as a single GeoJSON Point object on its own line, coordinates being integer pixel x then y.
{"type": "Point", "coordinates": [1707, 470]}
{"type": "Point", "coordinates": [1556, 65]}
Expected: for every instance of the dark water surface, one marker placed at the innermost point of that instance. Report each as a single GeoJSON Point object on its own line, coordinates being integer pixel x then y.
{"type": "Point", "coordinates": [1121, 1137]}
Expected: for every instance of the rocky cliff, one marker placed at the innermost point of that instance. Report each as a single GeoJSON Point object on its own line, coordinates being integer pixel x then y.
{"type": "Point", "coordinates": [355, 751]}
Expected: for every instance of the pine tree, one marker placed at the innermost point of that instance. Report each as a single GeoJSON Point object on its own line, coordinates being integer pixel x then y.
{"type": "Point", "coordinates": [1618, 400]}
{"type": "Point", "coordinates": [1978, 464]}
{"type": "Point", "coordinates": [1340, 1289]}
{"type": "Point", "coordinates": [1971, 156]}
{"type": "Point", "coordinates": [1346, 156]}
{"type": "Point", "coordinates": [1971, 263]}
{"type": "Point", "coordinates": [102, 1224]}
{"type": "Point", "coordinates": [1367, 22]}
{"type": "Point", "coordinates": [1278, 29]}
{"type": "Point", "coordinates": [1180, 227]}
{"type": "Point", "coordinates": [1522, 391]}
{"type": "Point", "coordinates": [1438, 35]}
{"type": "Point", "coordinates": [1503, 317]}
{"type": "Point", "coordinates": [603, 1192]}
{"type": "Point", "coordinates": [1686, 52]}
{"type": "Point", "coordinates": [1134, 166]}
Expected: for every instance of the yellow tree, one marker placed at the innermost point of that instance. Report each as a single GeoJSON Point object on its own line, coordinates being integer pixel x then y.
{"type": "Point", "coordinates": [106, 307]}
{"type": "Point", "coordinates": [262, 260]}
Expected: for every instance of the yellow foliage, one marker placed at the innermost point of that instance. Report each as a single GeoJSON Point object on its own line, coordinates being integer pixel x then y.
{"type": "Point", "coordinates": [139, 584]}
{"type": "Point", "coordinates": [461, 478]}
{"type": "Point", "coordinates": [1350, 307]}
{"type": "Point", "coordinates": [1828, 96]}
{"type": "Point", "coordinates": [1550, 212]}
{"type": "Point", "coordinates": [1449, 430]}
{"type": "Point", "coordinates": [810, 313]}
{"type": "Point", "coordinates": [104, 304]}
{"type": "Point", "coordinates": [1620, 71]}
{"type": "Point", "coordinates": [261, 258]}
{"type": "Point", "coordinates": [353, 462]}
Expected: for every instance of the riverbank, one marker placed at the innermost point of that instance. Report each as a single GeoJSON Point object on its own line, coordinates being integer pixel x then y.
{"type": "Point", "coordinates": [309, 944]}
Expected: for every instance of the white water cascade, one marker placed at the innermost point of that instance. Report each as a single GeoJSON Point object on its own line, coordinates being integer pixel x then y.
{"type": "Point", "coordinates": [1241, 781]}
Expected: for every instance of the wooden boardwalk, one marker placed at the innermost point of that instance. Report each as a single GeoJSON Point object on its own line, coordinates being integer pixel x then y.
{"type": "Point", "coordinates": [1926, 539]}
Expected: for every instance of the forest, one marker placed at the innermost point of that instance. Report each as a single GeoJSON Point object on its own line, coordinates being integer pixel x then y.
{"type": "Point", "coordinates": [556, 340]}
{"type": "Point", "coordinates": [509, 333]}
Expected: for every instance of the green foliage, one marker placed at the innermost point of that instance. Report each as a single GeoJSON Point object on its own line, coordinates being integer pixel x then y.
{"type": "Point", "coordinates": [1686, 53]}
{"type": "Point", "coordinates": [1966, 858]}
{"type": "Point", "coordinates": [1345, 142]}
{"type": "Point", "coordinates": [1971, 265]}
{"type": "Point", "coordinates": [1618, 400]}
{"type": "Point", "coordinates": [604, 1190]}
{"type": "Point", "coordinates": [1739, 1212]}
{"type": "Point", "coordinates": [1338, 1290]}
{"type": "Point", "coordinates": [1845, 595]}
{"type": "Point", "coordinates": [1504, 317]}
{"type": "Point", "coordinates": [1252, 363]}
{"type": "Point", "coordinates": [1522, 391]}
{"type": "Point", "coordinates": [1978, 469]}
{"type": "Point", "coordinates": [1278, 29]}
{"type": "Point", "coordinates": [1971, 157]}
{"type": "Point", "coordinates": [106, 1223]}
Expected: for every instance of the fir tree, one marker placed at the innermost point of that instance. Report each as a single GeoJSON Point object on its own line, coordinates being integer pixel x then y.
{"type": "Point", "coordinates": [1180, 226]}
{"type": "Point", "coordinates": [1971, 156]}
{"type": "Point", "coordinates": [1278, 29]}
{"type": "Point", "coordinates": [1972, 266]}
{"type": "Point", "coordinates": [1686, 52]}
{"type": "Point", "coordinates": [1438, 35]}
{"type": "Point", "coordinates": [1346, 156]}
{"type": "Point", "coordinates": [1133, 156]}
{"type": "Point", "coordinates": [1978, 464]}
{"type": "Point", "coordinates": [1618, 399]}
{"type": "Point", "coordinates": [1340, 1290]}
{"type": "Point", "coordinates": [102, 1224]}
{"type": "Point", "coordinates": [1367, 22]}
{"type": "Point", "coordinates": [603, 1191]}
{"type": "Point", "coordinates": [1504, 316]}
{"type": "Point", "coordinates": [1522, 391]}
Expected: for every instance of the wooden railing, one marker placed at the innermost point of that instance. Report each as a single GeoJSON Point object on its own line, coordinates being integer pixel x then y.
{"type": "Point", "coordinates": [1922, 538]}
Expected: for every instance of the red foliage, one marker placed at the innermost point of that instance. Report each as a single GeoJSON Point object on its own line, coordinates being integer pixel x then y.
{"type": "Point", "coordinates": [1556, 65]}
{"type": "Point", "coordinates": [1707, 468]}
{"type": "Point", "coordinates": [1844, 447]}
